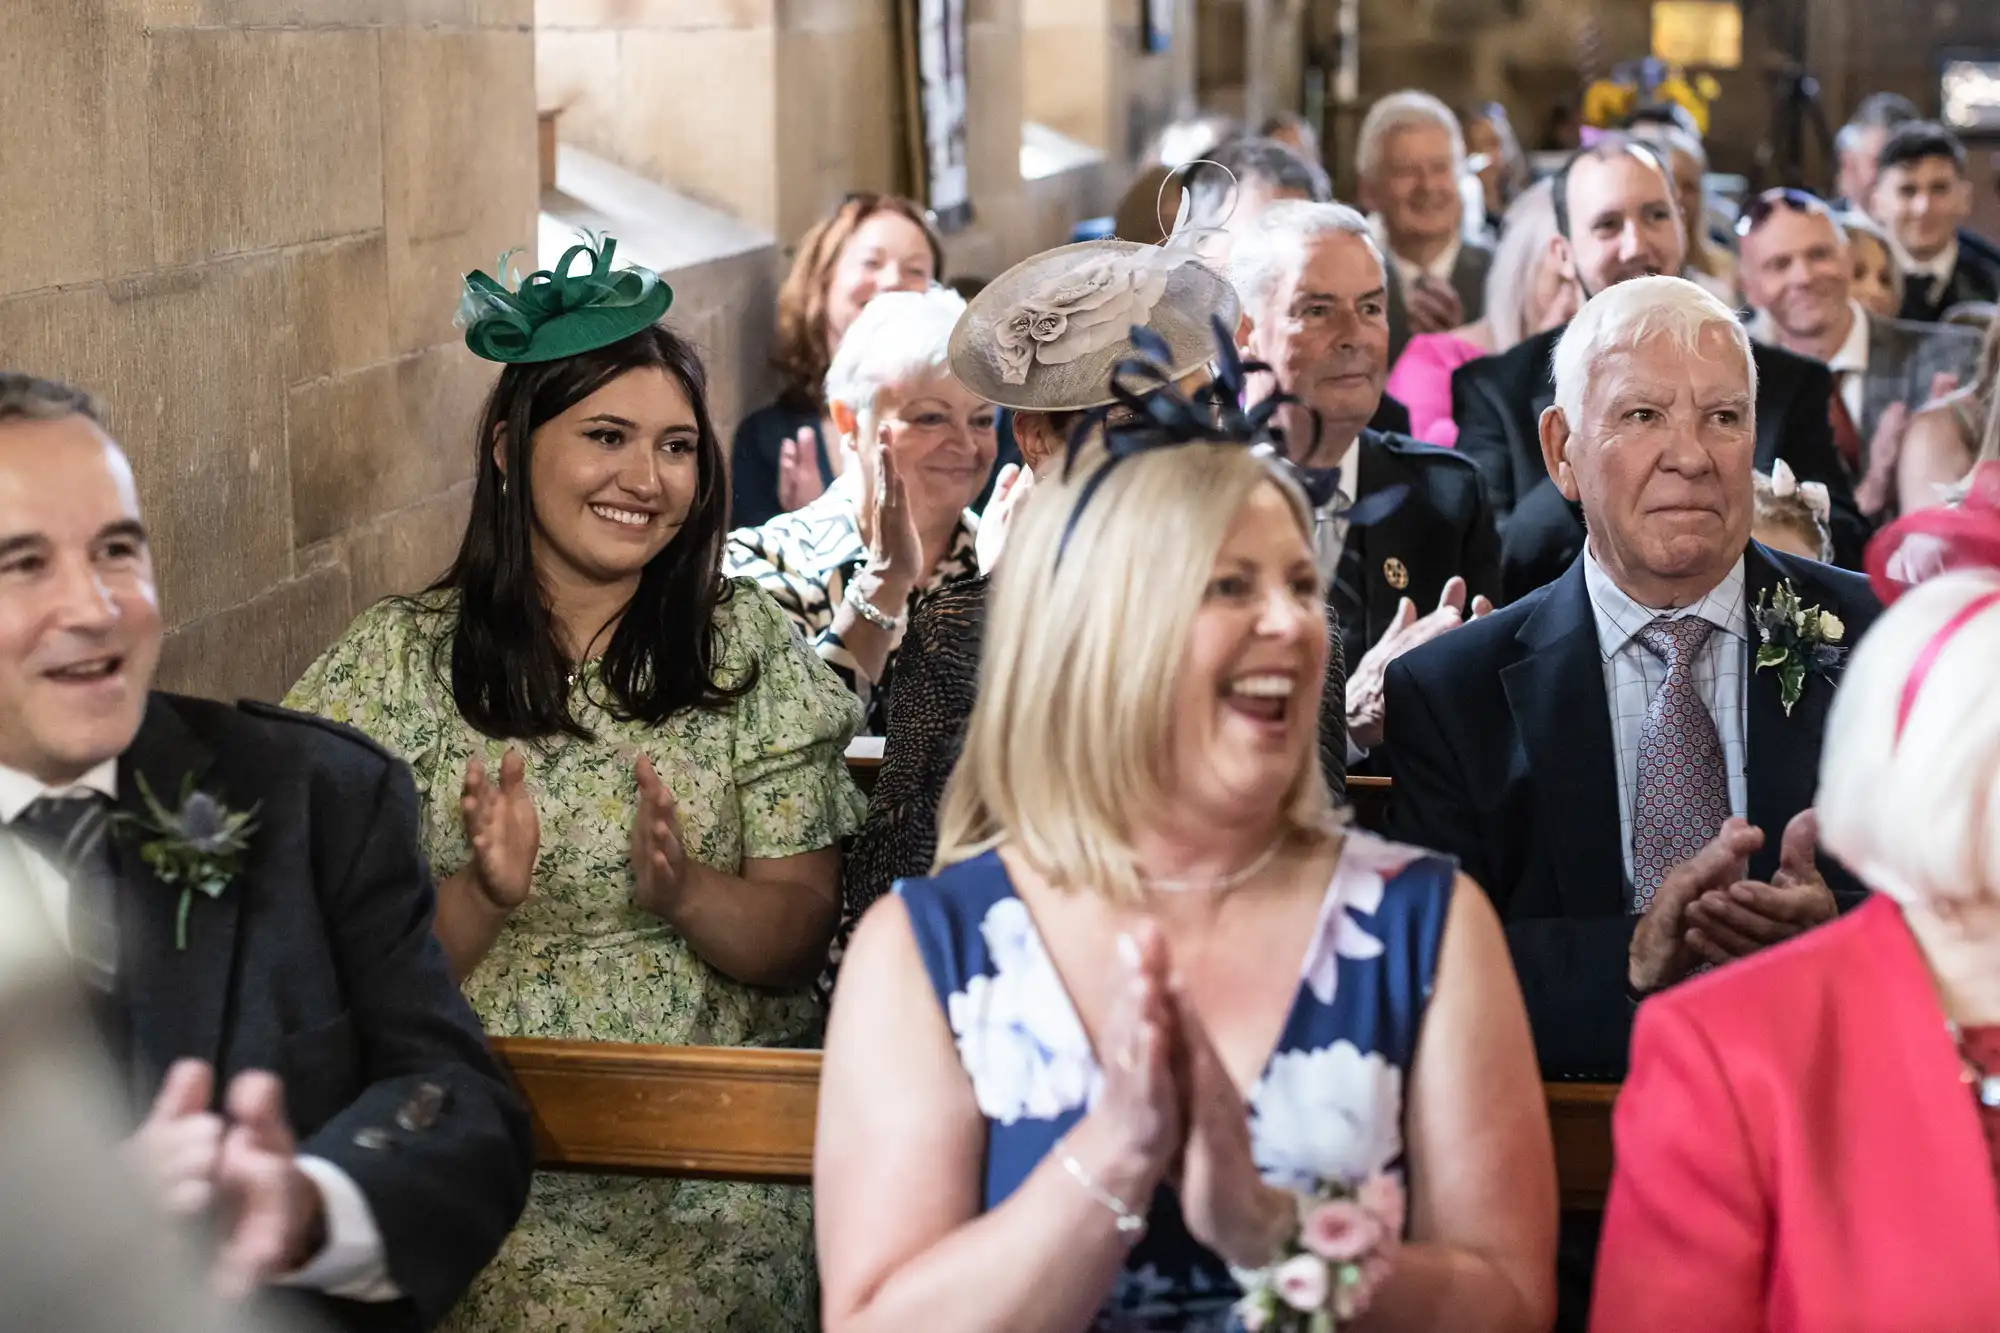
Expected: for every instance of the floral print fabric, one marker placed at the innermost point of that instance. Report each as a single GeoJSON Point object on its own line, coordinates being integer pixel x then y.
{"type": "Point", "coordinates": [1329, 1103]}
{"type": "Point", "coordinates": [762, 777]}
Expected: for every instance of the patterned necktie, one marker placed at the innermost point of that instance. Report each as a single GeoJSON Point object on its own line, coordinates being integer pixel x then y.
{"type": "Point", "coordinates": [70, 831]}
{"type": "Point", "coordinates": [1682, 781]}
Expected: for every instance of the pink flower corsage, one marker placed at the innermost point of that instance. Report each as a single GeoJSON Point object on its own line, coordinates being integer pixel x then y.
{"type": "Point", "coordinates": [1330, 1270]}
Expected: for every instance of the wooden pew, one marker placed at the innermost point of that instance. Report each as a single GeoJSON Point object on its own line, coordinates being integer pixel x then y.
{"type": "Point", "coordinates": [727, 1113]}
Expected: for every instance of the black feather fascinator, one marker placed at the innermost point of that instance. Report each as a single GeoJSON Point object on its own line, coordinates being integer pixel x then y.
{"type": "Point", "coordinates": [1149, 411]}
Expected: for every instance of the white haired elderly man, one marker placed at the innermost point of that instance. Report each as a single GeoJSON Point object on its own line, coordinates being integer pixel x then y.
{"type": "Point", "coordinates": [1624, 759]}
{"type": "Point", "coordinates": [1411, 156]}
{"type": "Point", "coordinates": [1313, 286]}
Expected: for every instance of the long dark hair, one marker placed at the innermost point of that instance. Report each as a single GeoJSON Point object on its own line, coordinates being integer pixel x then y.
{"type": "Point", "coordinates": [509, 675]}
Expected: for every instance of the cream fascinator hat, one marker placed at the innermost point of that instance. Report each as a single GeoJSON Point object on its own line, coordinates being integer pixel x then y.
{"type": "Point", "coordinates": [1046, 335]}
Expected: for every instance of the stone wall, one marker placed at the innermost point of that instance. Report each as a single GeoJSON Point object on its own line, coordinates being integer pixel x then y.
{"type": "Point", "coordinates": [241, 224]}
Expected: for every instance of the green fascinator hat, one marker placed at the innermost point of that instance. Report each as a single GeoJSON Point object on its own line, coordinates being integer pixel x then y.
{"type": "Point", "coordinates": [559, 312]}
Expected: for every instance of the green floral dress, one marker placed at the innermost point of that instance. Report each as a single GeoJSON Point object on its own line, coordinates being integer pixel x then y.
{"type": "Point", "coordinates": [764, 777]}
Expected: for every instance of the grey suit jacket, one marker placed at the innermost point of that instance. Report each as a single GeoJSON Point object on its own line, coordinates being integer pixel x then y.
{"type": "Point", "coordinates": [1903, 356]}
{"type": "Point", "coordinates": [1468, 279]}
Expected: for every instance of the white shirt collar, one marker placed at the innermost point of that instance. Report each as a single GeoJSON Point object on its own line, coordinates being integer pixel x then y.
{"type": "Point", "coordinates": [18, 790]}
{"type": "Point", "coordinates": [1853, 351]}
{"type": "Point", "coordinates": [1408, 271]}
{"type": "Point", "coordinates": [1619, 617]}
{"type": "Point", "coordinates": [1937, 268]}
{"type": "Point", "coordinates": [1350, 467]}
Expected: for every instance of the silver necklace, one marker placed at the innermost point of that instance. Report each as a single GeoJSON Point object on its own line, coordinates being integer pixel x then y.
{"type": "Point", "coordinates": [1221, 883]}
{"type": "Point", "coordinates": [1985, 1086]}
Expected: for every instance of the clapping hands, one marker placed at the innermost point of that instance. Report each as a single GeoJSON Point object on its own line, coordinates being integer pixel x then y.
{"type": "Point", "coordinates": [242, 1166]}
{"type": "Point", "coordinates": [503, 829]}
{"type": "Point", "coordinates": [1367, 714]}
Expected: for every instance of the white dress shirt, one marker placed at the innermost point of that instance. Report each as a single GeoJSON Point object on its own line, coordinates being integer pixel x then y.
{"type": "Point", "coordinates": [1849, 363]}
{"type": "Point", "coordinates": [1632, 675]}
{"type": "Point", "coordinates": [353, 1265]}
{"type": "Point", "coordinates": [1329, 523]}
{"type": "Point", "coordinates": [1407, 270]}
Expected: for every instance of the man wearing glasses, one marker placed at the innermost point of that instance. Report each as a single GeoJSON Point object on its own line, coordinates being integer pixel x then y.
{"type": "Point", "coordinates": [1797, 276]}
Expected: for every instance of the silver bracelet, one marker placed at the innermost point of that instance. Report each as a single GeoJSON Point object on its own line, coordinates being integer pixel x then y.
{"type": "Point", "coordinates": [1129, 1223]}
{"type": "Point", "coordinates": [868, 611]}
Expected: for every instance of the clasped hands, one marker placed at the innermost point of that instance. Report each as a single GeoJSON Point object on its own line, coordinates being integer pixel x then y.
{"type": "Point", "coordinates": [239, 1166]}
{"type": "Point", "coordinates": [1708, 911]}
{"type": "Point", "coordinates": [504, 830]}
{"type": "Point", "coordinates": [1174, 1114]}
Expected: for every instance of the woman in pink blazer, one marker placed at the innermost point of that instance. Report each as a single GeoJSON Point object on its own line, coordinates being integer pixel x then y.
{"type": "Point", "coordinates": [1806, 1142]}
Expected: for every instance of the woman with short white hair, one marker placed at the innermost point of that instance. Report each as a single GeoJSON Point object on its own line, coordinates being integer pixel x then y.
{"type": "Point", "coordinates": [1808, 1140]}
{"type": "Point", "coordinates": [1160, 1040]}
{"type": "Point", "coordinates": [848, 567]}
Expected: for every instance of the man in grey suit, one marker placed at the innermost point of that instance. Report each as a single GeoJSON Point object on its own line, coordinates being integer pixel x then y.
{"type": "Point", "coordinates": [1411, 155]}
{"type": "Point", "coordinates": [1796, 275]}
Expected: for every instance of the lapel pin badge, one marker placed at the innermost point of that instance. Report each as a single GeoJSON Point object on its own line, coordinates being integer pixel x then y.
{"type": "Point", "coordinates": [1396, 573]}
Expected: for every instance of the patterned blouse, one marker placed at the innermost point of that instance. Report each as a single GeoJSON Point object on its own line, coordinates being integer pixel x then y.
{"type": "Point", "coordinates": [804, 560]}
{"type": "Point", "coordinates": [761, 777]}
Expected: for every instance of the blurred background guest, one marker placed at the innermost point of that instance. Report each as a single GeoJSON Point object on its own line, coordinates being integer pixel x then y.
{"type": "Point", "coordinates": [1811, 1142]}
{"type": "Point", "coordinates": [1923, 197]}
{"type": "Point", "coordinates": [1294, 132]}
{"type": "Point", "coordinates": [1796, 277]}
{"type": "Point", "coordinates": [1139, 799]}
{"type": "Point", "coordinates": [632, 769]}
{"type": "Point", "coordinates": [1527, 292]}
{"type": "Point", "coordinates": [1494, 158]}
{"type": "Point", "coordinates": [1231, 187]}
{"type": "Point", "coordinates": [1790, 515]}
{"type": "Point", "coordinates": [1409, 158]}
{"type": "Point", "coordinates": [849, 566]}
{"type": "Point", "coordinates": [1858, 145]}
{"type": "Point", "coordinates": [785, 453]}
{"type": "Point", "coordinates": [1877, 280]}
{"type": "Point", "coordinates": [1945, 438]}
{"type": "Point", "coordinates": [1708, 260]}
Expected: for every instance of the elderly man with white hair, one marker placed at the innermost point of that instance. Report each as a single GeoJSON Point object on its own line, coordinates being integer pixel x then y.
{"type": "Point", "coordinates": [1410, 157]}
{"type": "Point", "coordinates": [1625, 758]}
{"type": "Point", "coordinates": [1313, 287]}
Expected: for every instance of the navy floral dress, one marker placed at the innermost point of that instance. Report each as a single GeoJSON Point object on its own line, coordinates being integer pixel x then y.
{"type": "Point", "coordinates": [1328, 1105]}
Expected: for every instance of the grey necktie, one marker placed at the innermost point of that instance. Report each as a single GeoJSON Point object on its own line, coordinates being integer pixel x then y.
{"type": "Point", "coordinates": [72, 832]}
{"type": "Point", "coordinates": [1682, 781]}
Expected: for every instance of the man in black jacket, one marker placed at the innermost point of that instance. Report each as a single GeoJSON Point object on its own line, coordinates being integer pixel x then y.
{"type": "Point", "coordinates": [1616, 219]}
{"type": "Point", "coordinates": [250, 920]}
{"type": "Point", "coordinates": [1313, 285]}
{"type": "Point", "coordinates": [1923, 196]}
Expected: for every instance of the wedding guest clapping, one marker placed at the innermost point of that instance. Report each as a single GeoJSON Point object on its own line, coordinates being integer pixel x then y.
{"type": "Point", "coordinates": [631, 769]}
{"type": "Point", "coordinates": [247, 908]}
{"type": "Point", "coordinates": [1808, 1143]}
{"type": "Point", "coordinates": [1108, 1102]}
{"type": "Point", "coordinates": [849, 567]}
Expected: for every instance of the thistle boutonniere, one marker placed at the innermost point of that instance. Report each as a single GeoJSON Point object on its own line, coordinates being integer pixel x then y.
{"type": "Point", "coordinates": [197, 848]}
{"type": "Point", "coordinates": [1796, 640]}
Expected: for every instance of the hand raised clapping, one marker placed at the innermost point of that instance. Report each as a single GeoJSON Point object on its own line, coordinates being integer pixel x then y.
{"type": "Point", "coordinates": [1367, 716]}
{"type": "Point", "coordinates": [659, 847]}
{"type": "Point", "coordinates": [503, 830]}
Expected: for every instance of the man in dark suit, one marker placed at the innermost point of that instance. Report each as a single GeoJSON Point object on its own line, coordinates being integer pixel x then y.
{"type": "Point", "coordinates": [321, 1096]}
{"type": "Point", "coordinates": [1616, 219]}
{"type": "Point", "coordinates": [1313, 288]}
{"type": "Point", "coordinates": [1797, 276]}
{"type": "Point", "coordinates": [1410, 156]}
{"type": "Point", "coordinates": [1923, 196]}
{"type": "Point", "coordinates": [1859, 147]}
{"type": "Point", "coordinates": [1605, 757]}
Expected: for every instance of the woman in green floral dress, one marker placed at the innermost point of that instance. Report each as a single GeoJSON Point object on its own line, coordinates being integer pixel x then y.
{"type": "Point", "coordinates": [632, 770]}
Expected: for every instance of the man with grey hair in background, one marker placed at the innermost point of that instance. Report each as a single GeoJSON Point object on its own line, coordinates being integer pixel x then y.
{"type": "Point", "coordinates": [1410, 156]}
{"type": "Point", "coordinates": [1315, 310]}
{"type": "Point", "coordinates": [1625, 759]}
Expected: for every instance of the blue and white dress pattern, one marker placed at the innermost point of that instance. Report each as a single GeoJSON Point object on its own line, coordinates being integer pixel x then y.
{"type": "Point", "coordinates": [1330, 1100]}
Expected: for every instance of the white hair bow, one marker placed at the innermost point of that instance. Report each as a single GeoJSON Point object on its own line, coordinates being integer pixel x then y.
{"type": "Point", "coordinates": [1784, 485]}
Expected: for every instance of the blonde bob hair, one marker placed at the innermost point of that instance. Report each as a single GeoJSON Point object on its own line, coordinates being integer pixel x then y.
{"type": "Point", "coordinates": [1069, 750]}
{"type": "Point", "coordinates": [1918, 817]}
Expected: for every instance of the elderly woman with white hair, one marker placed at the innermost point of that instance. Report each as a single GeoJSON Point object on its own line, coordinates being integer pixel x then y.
{"type": "Point", "coordinates": [848, 567]}
{"type": "Point", "coordinates": [1528, 291]}
{"type": "Point", "coordinates": [1809, 1142]}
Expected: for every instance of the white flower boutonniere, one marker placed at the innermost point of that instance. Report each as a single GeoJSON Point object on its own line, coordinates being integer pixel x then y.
{"type": "Point", "coordinates": [197, 849]}
{"type": "Point", "coordinates": [1796, 640]}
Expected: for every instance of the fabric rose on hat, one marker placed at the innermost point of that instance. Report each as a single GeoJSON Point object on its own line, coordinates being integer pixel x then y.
{"type": "Point", "coordinates": [1079, 313]}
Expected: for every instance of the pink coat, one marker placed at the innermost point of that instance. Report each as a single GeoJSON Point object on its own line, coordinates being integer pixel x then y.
{"type": "Point", "coordinates": [1421, 381]}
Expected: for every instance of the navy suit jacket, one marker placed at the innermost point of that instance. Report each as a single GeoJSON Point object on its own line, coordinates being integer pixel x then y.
{"type": "Point", "coordinates": [1503, 756]}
